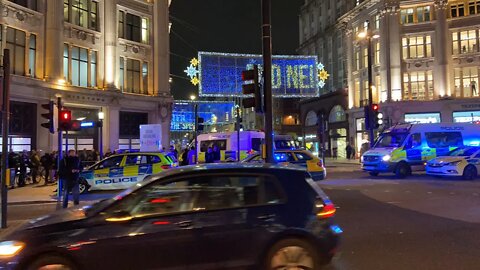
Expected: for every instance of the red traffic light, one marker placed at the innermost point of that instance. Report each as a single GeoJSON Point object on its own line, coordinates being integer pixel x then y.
{"type": "Point", "coordinates": [66, 115]}
{"type": "Point", "coordinates": [375, 107]}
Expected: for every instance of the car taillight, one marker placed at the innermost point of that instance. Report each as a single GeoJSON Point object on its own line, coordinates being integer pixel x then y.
{"type": "Point", "coordinates": [320, 163]}
{"type": "Point", "coordinates": [166, 167]}
{"type": "Point", "coordinates": [325, 209]}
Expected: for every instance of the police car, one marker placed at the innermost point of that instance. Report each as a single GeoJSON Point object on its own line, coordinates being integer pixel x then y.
{"type": "Point", "coordinates": [123, 170]}
{"type": "Point", "coordinates": [463, 161]}
{"type": "Point", "coordinates": [299, 157]}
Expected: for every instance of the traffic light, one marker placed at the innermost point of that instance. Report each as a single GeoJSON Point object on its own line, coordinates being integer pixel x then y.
{"type": "Point", "coordinates": [64, 120]}
{"type": "Point", "coordinates": [49, 116]}
{"type": "Point", "coordinates": [75, 125]}
{"type": "Point", "coordinates": [377, 116]}
{"type": "Point", "coordinates": [251, 86]}
{"type": "Point", "coordinates": [200, 122]}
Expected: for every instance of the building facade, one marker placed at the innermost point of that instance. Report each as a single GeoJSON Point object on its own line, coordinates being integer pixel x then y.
{"type": "Point", "coordinates": [420, 51]}
{"type": "Point", "coordinates": [109, 56]}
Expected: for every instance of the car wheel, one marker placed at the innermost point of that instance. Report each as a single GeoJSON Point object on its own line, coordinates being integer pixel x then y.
{"type": "Point", "coordinates": [402, 170]}
{"type": "Point", "coordinates": [292, 253]}
{"type": "Point", "coordinates": [83, 186]}
{"type": "Point", "coordinates": [51, 262]}
{"type": "Point", "coordinates": [373, 173]}
{"type": "Point", "coordinates": [469, 173]}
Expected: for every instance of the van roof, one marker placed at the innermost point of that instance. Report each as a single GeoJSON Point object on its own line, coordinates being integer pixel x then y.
{"type": "Point", "coordinates": [433, 127]}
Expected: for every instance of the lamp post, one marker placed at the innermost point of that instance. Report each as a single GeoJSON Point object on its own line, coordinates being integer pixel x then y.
{"type": "Point", "coordinates": [195, 106]}
{"type": "Point", "coordinates": [101, 116]}
{"type": "Point", "coordinates": [367, 35]}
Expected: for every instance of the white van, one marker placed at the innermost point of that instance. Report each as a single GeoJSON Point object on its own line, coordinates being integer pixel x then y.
{"type": "Point", "coordinates": [407, 147]}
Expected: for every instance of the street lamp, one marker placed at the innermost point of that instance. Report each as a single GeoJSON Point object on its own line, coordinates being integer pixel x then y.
{"type": "Point", "coordinates": [195, 106]}
{"type": "Point", "coordinates": [367, 34]}
{"type": "Point", "coordinates": [101, 116]}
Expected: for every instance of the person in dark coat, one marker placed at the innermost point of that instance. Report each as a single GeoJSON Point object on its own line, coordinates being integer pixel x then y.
{"type": "Point", "coordinates": [209, 155]}
{"type": "Point", "coordinates": [34, 165]}
{"type": "Point", "coordinates": [184, 157]}
{"type": "Point", "coordinates": [23, 164]}
{"type": "Point", "coordinates": [216, 154]}
{"type": "Point", "coordinates": [69, 172]}
{"type": "Point", "coordinates": [47, 163]}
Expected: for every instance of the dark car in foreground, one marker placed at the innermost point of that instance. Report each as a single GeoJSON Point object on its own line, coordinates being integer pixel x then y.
{"type": "Point", "coordinates": [219, 216]}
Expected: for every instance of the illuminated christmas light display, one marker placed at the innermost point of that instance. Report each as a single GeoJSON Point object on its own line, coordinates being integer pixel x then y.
{"type": "Point", "coordinates": [213, 113]}
{"type": "Point", "coordinates": [218, 74]}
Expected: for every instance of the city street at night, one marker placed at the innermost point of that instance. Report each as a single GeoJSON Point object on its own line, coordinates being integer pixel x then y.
{"type": "Point", "coordinates": [415, 223]}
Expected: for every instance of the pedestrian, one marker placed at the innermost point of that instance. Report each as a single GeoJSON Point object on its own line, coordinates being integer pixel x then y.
{"type": "Point", "coordinates": [209, 155]}
{"type": "Point", "coordinates": [23, 164]}
{"type": "Point", "coordinates": [13, 164]}
{"type": "Point", "coordinates": [69, 172]}
{"type": "Point", "coordinates": [173, 152]}
{"type": "Point", "coordinates": [184, 161]}
{"type": "Point", "coordinates": [192, 156]}
{"type": "Point", "coordinates": [34, 165]}
{"type": "Point", "coordinates": [108, 153]}
{"type": "Point", "coordinates": [83, 156]}
{"type": "Point", "coordinates": [216, 154]}
{"type": "Point", "coordinates": [47, 164]}
{"type": "Point", "coordinates": [349, 149]}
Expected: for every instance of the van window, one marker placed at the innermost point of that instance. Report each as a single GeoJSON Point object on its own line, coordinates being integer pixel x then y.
{"type": "Point", "coordinates": [444, 139]}
{"type": "Point", "coordinates": [414, 141]}
{"type": "Point", "coordinates": [256, 144]}
{"type": "Point", "coordinates": [221, 144]}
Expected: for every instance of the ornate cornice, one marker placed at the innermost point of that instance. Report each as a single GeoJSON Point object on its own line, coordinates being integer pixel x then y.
{"type": "Point", "coordinates": [20, 14]}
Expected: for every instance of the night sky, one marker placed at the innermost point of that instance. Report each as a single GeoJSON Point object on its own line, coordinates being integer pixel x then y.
{"type": "Point", "coordinates": [230, 26]}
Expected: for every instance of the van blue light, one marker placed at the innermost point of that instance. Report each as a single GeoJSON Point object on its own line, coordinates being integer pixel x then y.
{"type": "Point", "coordinates": [86, 124]}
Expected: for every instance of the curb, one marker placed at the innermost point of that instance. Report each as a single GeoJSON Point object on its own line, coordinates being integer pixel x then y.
{"type": "Point", "coordinates": [11, 227]}
{"type": "Point", "coordinates": [32, 202]}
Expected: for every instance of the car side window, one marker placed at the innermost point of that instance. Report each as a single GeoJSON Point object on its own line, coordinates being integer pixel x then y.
{"type": "Point", "coordinates": [414, 141]}
{"type": "Point", "coordinates": [109, 163]}
{"type": "Point", "coordinates": [302, 156]}
{"type": "Point", "coordinates": [131, 160]}
{"type": "Point", "coordinates": [152, 159]}
{"type": "Point", "coordinates": [142, 159]}
{"type": "Point", "coordinates": [200, 194]}
{"type": "Point", "coordinates": [290, 157]}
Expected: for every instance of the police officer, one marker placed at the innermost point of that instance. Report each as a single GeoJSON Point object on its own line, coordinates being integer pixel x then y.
{"type": "Point", "coordinates": [69, 172]}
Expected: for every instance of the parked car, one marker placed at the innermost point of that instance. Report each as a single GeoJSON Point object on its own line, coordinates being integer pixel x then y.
{"type": "Point", "coordinates": [463, 161]}
{"type": "Point", "coordinates": [216, 216]}
{"type": "Point", "coordinates": [303, 158]}
{"type": "Point", "coordinates": [121, 171]}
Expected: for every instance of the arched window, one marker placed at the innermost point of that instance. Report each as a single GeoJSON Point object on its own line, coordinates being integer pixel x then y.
{"type": "Point", "coordinates": [311, 119]}
{"type": "Point", "coordinates": [337, 114]}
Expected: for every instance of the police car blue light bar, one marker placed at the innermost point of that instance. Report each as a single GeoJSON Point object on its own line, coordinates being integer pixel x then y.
{"type": "Point", "coordinates": [87, 124]}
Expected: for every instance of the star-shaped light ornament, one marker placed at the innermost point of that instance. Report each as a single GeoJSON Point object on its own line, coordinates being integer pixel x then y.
{"type": "Point", "coordinates": [195, 81]}
{"type": "Point", "coordinates": [191, 71]}
{"type": "Point", "coordinates": [194, 62]}
{"type": "Point", "coordinates": [321, 84]}
{"type": "Point", "coordinates": [323, 75]}
{"type": "Point", "coordinates": [320, 66]}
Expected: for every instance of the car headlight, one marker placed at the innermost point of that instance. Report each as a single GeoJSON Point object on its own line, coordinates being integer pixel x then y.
{"type": "Point", "coordinates": [386, 158]}
{"type": "Point", "coordinates": [453, 163]}
{"type": "Point", "coordinates": [10, 248]}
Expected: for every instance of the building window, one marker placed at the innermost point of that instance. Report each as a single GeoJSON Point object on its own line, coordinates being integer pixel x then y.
{"type": "Point", "coordinates": [133, 76]}
{"type": "Point", "coordinates": [65, 62]}
{"type": "Point", "coordinates": [79, 66]}
{"type": "Point", "coordinates": [457, 10]}
{"type": "Point", "coordinates": [145, 77]}
{"type": "Point", "coordinates": [337, 114]}
{"type": "Point", "coordinates": [133, 25]}
{"type": "Point", "coordinates": [406, 15]}
{"type": "Point", "coordinates": [376, 46]}
{"type": "Point", "coordinates": [466, 116]}
{"type": "Point", "coordinates": [93, 69]}
{"type": "Point", "coordinates": [466, 82]}
{"type": "Point", "coordinates": [357, 92]}
{"type": "Point", "coordinates": [83, 13]}
{"type": "Point", "coordinates": [465, 41]}
{"type": "Point", "coordinates": [32, 52]}
{"type": "Point", "coordinates": [416, 47]}
{"type": "Point", "coordinates": [423, 118]}
{"type": "Point", "coordinates": [121, 24]}
{"type": "Point", "coordinates": [474, 7]}
{"type": "Point", "coordinates": [145, 30]}
{"type": "Point", "coordinates": [357, 59]}
{"type": "Point", "coordinates": [16, 45]}
{"type": "Point", "coordinates": [418, 85]}
{"type": "Point", "coordinates": [31, 4]}
{"type": "Point", "coordinates": [377, 22]}
{"type": "Point", "coordinates": [365, 96]}
{"type": "Point", "coordinates": [311, 119]}
{"type": "Point", "coordinates": [121, 77]}
{"type": "Point", "coordinates": [423, 14]}
{"type": "Point", "coordinates": [365, 57]}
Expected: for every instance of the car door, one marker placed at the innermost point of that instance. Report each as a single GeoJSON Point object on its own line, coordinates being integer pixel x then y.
{"type": "Point", "coordinates": [148, 229]}
{"type": "Point", "coordinates": [104, 173]}
{"type": "Point", "coordinates": [225, 230]}
{"type": "Point", "coordinates": [414, 149]}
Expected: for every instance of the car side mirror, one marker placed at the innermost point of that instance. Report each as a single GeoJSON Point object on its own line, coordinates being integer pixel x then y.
{"type": "Point", "coordinates": [119, 216]}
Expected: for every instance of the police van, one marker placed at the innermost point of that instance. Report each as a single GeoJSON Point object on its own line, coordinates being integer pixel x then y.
{"type": "Point", "coordinates": [404, 148]}
{"type": "Point", "coordinates": [250, 142]}
{"type": "Point", "coordinates": [123, 170]}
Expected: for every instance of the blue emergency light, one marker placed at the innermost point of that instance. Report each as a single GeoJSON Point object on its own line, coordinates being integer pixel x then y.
{"type": "Point", "coordinates": [87, 124]}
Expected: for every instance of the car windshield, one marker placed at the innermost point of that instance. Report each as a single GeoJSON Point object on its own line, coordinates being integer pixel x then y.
{"type": "Point", "coordinates": [464, 152]}
{"type": "Point", "coordinates": [391, 140]}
